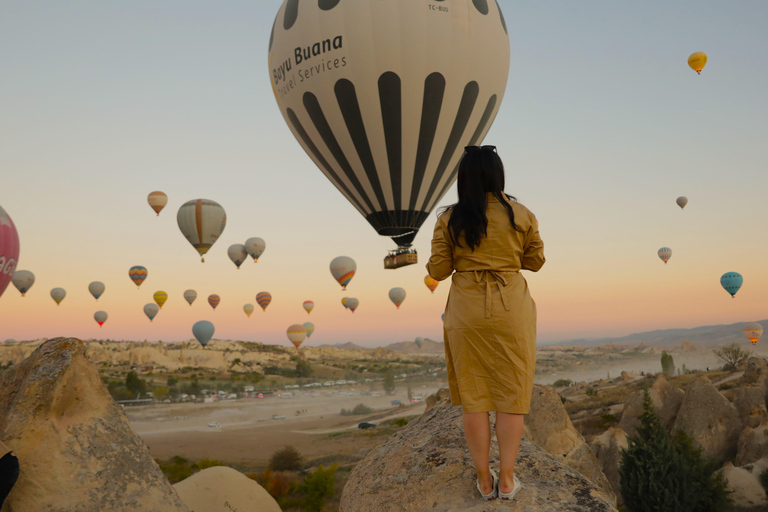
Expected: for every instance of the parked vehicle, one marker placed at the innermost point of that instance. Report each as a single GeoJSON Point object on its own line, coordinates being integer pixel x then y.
{"type": "Point", "coordinates": [278, 417]}
{"type": "Point", "coordinates": [395, 402]}
{"type": "Point", "coordinates": [364, 425]}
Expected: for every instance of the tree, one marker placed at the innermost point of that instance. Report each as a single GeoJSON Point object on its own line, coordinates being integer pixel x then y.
{"type": "Point", "coordinates": [286, 459]}
{"type": "Point", "coordinates": [303, 368]}
{"type": "Point", "coordinates": [732, 355]}
{"type": "Point", "coordinates": [134, 384]}
{"type": "Point", "coordinates": [318, 487]}
{"type": "Point", "coordinates": [667, 364]}
{"type": "Point", "coordinates": [389, 381]}
{"type": "Point", "coordinates": [668, 474]}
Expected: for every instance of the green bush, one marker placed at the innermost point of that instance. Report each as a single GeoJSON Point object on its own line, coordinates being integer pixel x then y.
{"type": "Point", "coordinates": [561, 383]}
{"type": "Point", "coordinates": [400, 422]}
{"type": "Point", "coordinates": [318, 486]}
{"type": "Point", "coordinates": [591, 392]}
{"type": "Point", "coordinates": [359, 409]}
{"type": "Point", "coordinates": [286, 459]}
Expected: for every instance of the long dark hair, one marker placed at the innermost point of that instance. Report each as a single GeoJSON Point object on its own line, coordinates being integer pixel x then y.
{"type": "Point", "coordinates": [480, 172]}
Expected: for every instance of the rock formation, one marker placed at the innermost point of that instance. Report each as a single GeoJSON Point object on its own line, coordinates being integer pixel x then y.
{"type": "Point", "coordinates": [748, 494]}
{"type": "Point", "coordinates": [666, 399]}
{"type": "Point", "coordinates": [710, 419]}
{"type": "Point", "coordinates": [223, 489]}
{"type": "Point", "coordinates": [752, 445]}
{"type": "Point", "coordinates": [9, 472]}
{"type": "Point", "coordinates": [607, 448]}
{"type": "Point", "coordinates": [76, 449]}
{"type": "Point", "coordinates": [426, 466]}
{"type": "Point", "coordinates": [750, 402]}
{"type": "Point", "coordinates": [549, 426]}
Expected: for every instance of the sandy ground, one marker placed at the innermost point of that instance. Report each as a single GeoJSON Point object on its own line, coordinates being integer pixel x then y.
{"type": "Point", "coordinates": [249, 436]}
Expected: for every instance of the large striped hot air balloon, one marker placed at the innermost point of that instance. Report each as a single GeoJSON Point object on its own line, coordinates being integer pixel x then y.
{"type": "Point", "coordinates": [343, 270]}
{"type": "Point", "coordinates": [137, 274]}
{"type": "Point", "coordinates": [308, 306]}
{"type": "Point", "coordinates": [214, 300]}
{"type": "Point", "coordinates": [431, 283]}
{"type": "Point", "coordinates": [58, 294]}
{"type": "Point", "coordinates": [160, 297]}
{"type": "Point", "coordinates": [384, 96]}
{"type": "Point", "coordinates": [97, 289]}
{"type": "Point", "coordinates": [263, 299]}
{"type": "Point", "coordinates": [23, 281]}
{"type": "Point", "coordinates": [9, 249]}
{"type": "Point", "coordinates": [664, 254]}
{"type": "Point", "coordinates": [157, 201]}
{"type": "Point", "coordinates": [202, 222]}
{"type": "Point", "coordinates": [190, 296]}
{"type": "Point", "coordinates": [297, 333]}
{"type": "Point", "coordinates": [753, 331]}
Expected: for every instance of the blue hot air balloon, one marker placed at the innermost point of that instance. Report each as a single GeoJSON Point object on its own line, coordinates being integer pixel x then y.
{"type": "Point", "coordinates": [203, 331]}
{"type": "Point", "coordinates": [731, 281]}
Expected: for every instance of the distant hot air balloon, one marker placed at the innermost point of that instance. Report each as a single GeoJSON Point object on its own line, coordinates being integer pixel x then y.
{"type": "Point", "coordinates": [190, 296]}
{"type": "Point", "coordinates": [665, 253]}
{"type": "Point", "coordinates": [151, 310]}
{"type": "Point", "coordinates": [23, 281]}
{"type": "Point", "coordinates": [697, 61]}
{"type": "Point", "coordinates": [263, 299]}
{"type": "Point", "coordinates": [237, 254]}
{"type": "Point", "coordinates": [731, 281]}
{"type": "Point", "coordinates": [343, 270]}
{"type": "Point", "coordinates": [9, 249]}
{"type": "Point", "coordinates": [203, 331]}
{"type": "Point", "coordinates": [344, 302]}
{"type": "Point", "coordinates": [753, 331]}
{"type": "Point", "coordinates": [100, 317]}
{"type": "Point", "coordinates": [442, 317]}
{"type": "Point", "coordinates": [308, 306]}
{"type": "Point", "coordinates": [388, 121]}
{"type": "Point", "coordinates": [202, 222]}
{"type": "Point", "coordinates": [352, 303]}
{"type": "Point", "coordinates": [157, 200]}
{"type": "Point", "coordinates": [58, 294]}
{"type": "Point", "coordinates": [297, 333]}
{"type": "Point", "coordinates": [137, 274]}
{"type": "Point", "coordinates": [248, 308]}
{"type": "Point", "coordinates": [255, 247]}
{"type": "Point", "coordinates": [160, 297]}
{"type": "Point", "coordinates": [681, 201]}
{"type": "Point", "coordinates": [419, 341]}
{"type": "Point", "coordinates": [310, 327]}
{"type": "Point", "coordinates": [214, 300]}
{"type": "Point", "coordinates": [397, 296]}
{"type": "Point", "coordinates": [431, 283]}
{"type": "Point", "coordinates": [97, 289]}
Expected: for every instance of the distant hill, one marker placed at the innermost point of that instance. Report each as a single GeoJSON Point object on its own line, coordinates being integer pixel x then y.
{"type": "Point", "coordinates": [409, 347]}
{"type": "Point", "coordinates": [707, 336]}
{"type": "Point", "coordinates": [348, 346]}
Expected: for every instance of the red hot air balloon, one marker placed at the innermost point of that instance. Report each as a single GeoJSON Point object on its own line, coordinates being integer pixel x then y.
{"type": "Point", "coordinates": [9, 249]}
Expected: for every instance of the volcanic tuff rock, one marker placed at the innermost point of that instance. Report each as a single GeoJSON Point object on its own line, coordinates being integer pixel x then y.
{"type": "Point", "coordinates": [549, 426]}
{"type": "Point", "coordinates": [750, 402]}
{"type": "Point", "coordinates": [76, 449]}
{"type": "Point", "coordinates": [223, 489]}
{"type": "Point", "coordinates": [608, 447]}
{"type": "Point", "coordinates": [748, 494]}
{"type": "Point", "coordinates": [426, 466]}
{"type": "Point", "coordinates": [752, 445]}
{"type": "Point", "coordinates": [666, 399]}
{"type": "Point", "coordinates": [710, 419]}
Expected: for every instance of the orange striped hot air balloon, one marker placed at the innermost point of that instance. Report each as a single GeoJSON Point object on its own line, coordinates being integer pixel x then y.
{"type": "Point", "coordinates": [214, 300]}
{"type": "Point", "coordinates": [263, 299]}
{"type": "Point", "coordinates": [202, 222]}
{"type": "Point", "coordinates": [431, 283]}
{"type": "Point", "coordinates": [137, 274]}
{"type": "Point", "coordinates": [157, 200]}
{"type": "Point", "coordinates": [308, 306]}
{"type": "Point", "coordinates": [297, 333]}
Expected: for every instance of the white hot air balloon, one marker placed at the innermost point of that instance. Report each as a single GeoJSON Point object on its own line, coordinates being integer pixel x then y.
{"type": "Point", "coordinates": [58, 294]}
{"type": "Point", "coordinates": [100, 317]}
{"type": "Point", "coordinates": [384, 96]}
{"type": "Point", "coordinates": [255, 247]}
{"type": "Point", "coordinates": [248, 308]}
{"type": "Point", "coordinates": [151, 310]}
{"type": "Point", "coordinates": [190, 296]}
{"type": "Point", "coordinates": [202, 222]}
{"type": "Point", "coordinates": [97, 289]}
{"type": "Point", "coordinates": [237, 254]}
{"type": "Point", "coordinates": [665, 253]}
{"type": "Point", "coordinates": [343, 269]}
{"type": "Point", "coordinates": [397, 296]}
{"type": "Point", "coordinates": [297, 333]}
{"type": "Point", "coordinates": [352, 304]}
{"type": "Point", "coordinates": [203, 331]}
{"type": "Point", "coordinates": [23, 281]}
{"type": "Point", "coordinates": [681, 201]}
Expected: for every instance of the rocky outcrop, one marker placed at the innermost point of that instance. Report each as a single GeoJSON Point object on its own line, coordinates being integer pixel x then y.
{"type": "Point", "coordinates": [712, 421]}
{"type": "Point", "coordinates": [223, 489]}
{"type": "Point", "coordinates": [426, 466]}
{"type": "Point", "coordinates": [607, 448]}
{"type": "Point", "coordinates": [750, 402]}
{"type": "Point", "coordinates": [752, 445]}
{"type": "Point", "coordinates": [76, 449]}
{"type": "Point", "coordinates": [666, 399]}
{"type": "Point", "coordinates": [748, 494]}
{"type": "Point", "coordinates": [9, 472]}
{"type": "Point", "coordinates": [756, 371]}
{"type": "Point", "coordinates": [548, 425]}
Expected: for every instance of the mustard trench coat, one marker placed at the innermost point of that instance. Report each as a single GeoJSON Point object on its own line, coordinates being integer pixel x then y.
{"type": "Point", "coordinates": [490, 317]}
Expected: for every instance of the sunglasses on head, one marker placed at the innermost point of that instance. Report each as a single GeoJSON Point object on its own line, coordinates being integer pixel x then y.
{"type": "Point", "coordinates": [472, 149]}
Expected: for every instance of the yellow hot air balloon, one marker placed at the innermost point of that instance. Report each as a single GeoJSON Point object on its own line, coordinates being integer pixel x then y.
{"type": "Point", "coordinates": [431, 283]}
{"type": "Point", "coordinates": [160, 297]}
{"type": "Point", "coordinates": [753, 331]}
{"type": "Point", "coordinates": [697, 61]}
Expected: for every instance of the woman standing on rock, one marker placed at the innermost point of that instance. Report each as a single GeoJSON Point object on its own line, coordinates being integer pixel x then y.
{"type": "Point", "coordinates": [484, 241]}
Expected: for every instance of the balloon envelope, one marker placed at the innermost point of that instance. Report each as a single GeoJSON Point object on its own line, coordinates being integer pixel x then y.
{"type": "Point", "coordinates": [214, 300]}
{"type": "Point", "coordinates": [681, 201]}
{"type": "Point", "coordinates": [9, 249]}
{"type": "Point", "coordinates": [23, 280]}
{"type": "Point", "coordinates": [157, 200]}
{"type": "Point", "coordinates": [190, 296]}
{"type": "Point", "coordinates": [397, 296]}
{"type": "Point", "coordinates": [419, 341]}
{"type": "Point", "coordinates": [665, 253]}
{"type": "Point", "coordinates": [137, 274]}
{"type": "Point", "coordinates": [248, 308]}
{"type": "Point", "coordinates": [203, 331]}
{"type": "Point", "coordinates": [308, 306]}
{"type": "Point", "coordinates": [237, 254]}
{"type": "Point", "coordinates": [255, 247]}
{"type": "Point", "coordinates": [151, 310]}
{"type": "Point", "coordinates": [352, 303]}
{"type": "Point", "coordinates": [753, 331]}
{"type": "Point", "coordinates": [100, 317]}
{"type": "Point", "coordinates": [697, 61]}
{"type": "Point", "coordinates": [431, 283]}
{"type": "Point", "coordinates": [310, 327]}
{"type": "Point", "coordinates": [731, 281]}
{"type": "Point", "coordinates": [383, 96]}
{"type": "Point", "coordinates": [344, 302]}
{"type": "Point", "coordinates": [58, 294]}
{"type": "Point", "coordinates": [160, 297]}
{"type": "Point", "coordinates": [343, 270]}
{"type": "Point", "coordinates": [263, 299]}
{"type": "Point", "coordinates": [97, 289]}
{"type": "Point", "coordinates": [202, 222]}
{"type": "Point", "coordinates": [297, 333]}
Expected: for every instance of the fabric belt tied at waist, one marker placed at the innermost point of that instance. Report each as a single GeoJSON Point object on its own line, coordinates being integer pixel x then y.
{"type": "Point", "coordinates": [498, 277]}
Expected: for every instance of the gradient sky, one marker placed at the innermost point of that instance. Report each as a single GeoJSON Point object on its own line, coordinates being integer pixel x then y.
{"type": "Point", "coordinates": [603, 125]}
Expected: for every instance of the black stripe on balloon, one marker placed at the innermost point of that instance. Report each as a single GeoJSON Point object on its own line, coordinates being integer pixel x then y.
{"type": "Point", "coordinates": [476, 137]}
{"type": "Point", "coordinates": [327, 5]}
{"type": "Point", "coordinates": [401, 233]}
{"type": "Point", "coordinates": [350, 109]}
{"type": "Point", "coordinates": [291, 13]}
{"type": "Point", "coordinates": [466, 106]}
{"type": "Point", "coordinates": [324, 129]}
{"type": "Point", "coordinates": [390, 98]}
{"type": "Point", "coordinates": [272, 34]}
{"type": "Point", "coordinates": [434, 89]}
{"type": "Point", "coordinates": [501, 15]}
{"type": "Point", "coordinates": [320, 158]}
{"type": "Point", "coordinates": [481, 6]}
